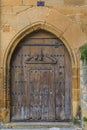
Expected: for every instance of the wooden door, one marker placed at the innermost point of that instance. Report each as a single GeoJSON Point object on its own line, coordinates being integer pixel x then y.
{"type": "Point", "coordinates": [40, 79]}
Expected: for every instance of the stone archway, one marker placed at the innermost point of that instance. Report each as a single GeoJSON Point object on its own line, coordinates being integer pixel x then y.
{"type": "Point", "coordinates": [8, 66]}
{"type": "Point", "coordinates": [40, 79]}
{"type": "Point", "coordinates": [8, 59]}
{"type": "Point", "coordinates": [64, 31]}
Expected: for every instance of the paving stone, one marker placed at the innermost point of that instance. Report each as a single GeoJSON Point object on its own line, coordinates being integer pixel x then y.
{"type": "Point", "coordinates": [46, 129]}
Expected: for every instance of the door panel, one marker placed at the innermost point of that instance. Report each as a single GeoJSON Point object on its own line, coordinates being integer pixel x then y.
{"type": "Point", "coordinates": [40, 79]}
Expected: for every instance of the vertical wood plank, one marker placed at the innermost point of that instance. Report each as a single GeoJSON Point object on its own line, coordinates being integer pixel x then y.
{"type": "Point", "coordinates": [40, 87]}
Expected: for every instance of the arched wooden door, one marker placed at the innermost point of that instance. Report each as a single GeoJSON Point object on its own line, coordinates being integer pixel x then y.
{"type": "Point", "coordinates": [40, 79]}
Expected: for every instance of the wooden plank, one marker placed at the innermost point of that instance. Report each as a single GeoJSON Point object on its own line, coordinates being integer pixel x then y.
{"type": "Point", "coordinates": [40, 90]}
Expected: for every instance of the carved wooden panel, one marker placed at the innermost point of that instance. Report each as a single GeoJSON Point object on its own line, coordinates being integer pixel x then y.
{"type": "Point", "coordinates": [40, 79]}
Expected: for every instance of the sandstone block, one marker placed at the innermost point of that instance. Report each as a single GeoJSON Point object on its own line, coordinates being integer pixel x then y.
{"type": "Point", "coordinates": [74, 2]}
{"type": "Point", "coordinates": [75, 36]}
{"type": "Point", "coordinates": [29, 2]}
{"type": "Point", "coordinates": [76, 95]}
{"type": "Point", "coordinates": [10, 2]}
{"type": "Point", "coordinates": [74, 82]}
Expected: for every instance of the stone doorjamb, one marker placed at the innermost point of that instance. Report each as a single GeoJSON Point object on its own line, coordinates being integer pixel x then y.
{"type": "Point", "coordinates": [7, 58]}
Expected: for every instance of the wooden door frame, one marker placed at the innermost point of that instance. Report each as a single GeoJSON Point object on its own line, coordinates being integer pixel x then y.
{"type": "Point", "coordinates": [10, 50]}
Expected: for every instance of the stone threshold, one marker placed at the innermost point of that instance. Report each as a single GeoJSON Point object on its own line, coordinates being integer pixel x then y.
{"type": "Point", "coordinates": [34, 125]}
{"type": "Point", "coordinates": [47, 129]}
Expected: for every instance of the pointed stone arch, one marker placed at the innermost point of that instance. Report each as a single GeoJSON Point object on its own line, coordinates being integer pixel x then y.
{"type": "Point", "coordinates": [65, 32]}
{"type": "Point", "coordinates": [12, 48]}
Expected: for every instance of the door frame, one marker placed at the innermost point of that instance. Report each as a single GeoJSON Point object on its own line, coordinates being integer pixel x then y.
{"type": "Point", "coordinates": [10, 50]}
{"type": "Point", "coordinates": [35, 62]}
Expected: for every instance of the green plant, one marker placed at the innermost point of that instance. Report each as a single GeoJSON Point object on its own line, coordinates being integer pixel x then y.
{"type": "Point", "coordinates": [85, 119]}
{"type": "Point", "coordinates": [75, 120]}
{"type": "Point", "coordinates": [83, 51]}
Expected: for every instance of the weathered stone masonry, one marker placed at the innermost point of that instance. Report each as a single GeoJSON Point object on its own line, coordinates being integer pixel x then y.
{"type": "Point", "coordinates": [64, 18]}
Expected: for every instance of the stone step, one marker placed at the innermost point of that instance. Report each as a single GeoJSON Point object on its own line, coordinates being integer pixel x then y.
{"type": "Point", "coordinates": [46, 129]}
{"type": "Point", "coordinates": [39, 125]}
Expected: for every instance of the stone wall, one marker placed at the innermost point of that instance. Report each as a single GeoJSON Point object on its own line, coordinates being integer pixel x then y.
{"type": "Point", "coordinates": [83, 84]}
{"type": "Point", "coordinates": [66, 19]}
{"type": "Point", "coordinates": [47, 2]}
{"type": "Point", "coordinates": [75, 10]}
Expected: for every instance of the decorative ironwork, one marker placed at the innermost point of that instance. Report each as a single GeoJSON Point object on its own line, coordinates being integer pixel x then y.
{"type": "Point", "coordinates": [41, 44]}
{"type": "Point", "coordinates": [40, 87]}
{"type": "Point", "coordinates": [41, 59]}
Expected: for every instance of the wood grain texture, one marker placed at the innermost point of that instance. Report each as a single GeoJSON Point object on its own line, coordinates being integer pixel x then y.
{"type": "Point", "coordinates": [40, 79]}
